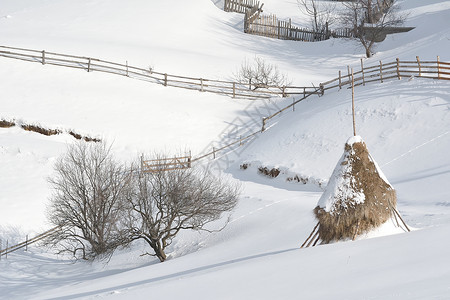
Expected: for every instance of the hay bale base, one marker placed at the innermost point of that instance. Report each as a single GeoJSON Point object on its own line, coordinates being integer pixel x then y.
{"type": "Point", "coordinates": [358, 197]}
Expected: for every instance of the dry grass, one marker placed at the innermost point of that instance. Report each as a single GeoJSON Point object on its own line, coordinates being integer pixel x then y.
{"type": "Point", "coordinates": [41, 130]}
{"type": "Point", "coordinates": [6, 124]}
{"type": "Point", "coordinates": [348, 219]}
{"type": "Point", "coordinates": [274, 172]}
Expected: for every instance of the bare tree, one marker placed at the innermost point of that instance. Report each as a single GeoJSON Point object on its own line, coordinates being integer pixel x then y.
{"type": "Point", "coordinates": [167, 201]}
{"type": "Point", "coordinates": [260, 74]}
{"type": "Point", "coordinates": [89, 191]}
{"type": "Point", "coordinates": [369, 20]}
{"type": "Point", "coordinates": [320, 13]}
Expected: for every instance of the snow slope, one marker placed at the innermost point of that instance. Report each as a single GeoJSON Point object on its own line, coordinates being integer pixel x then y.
{"type": "Point", "coordinates": [405, 125]}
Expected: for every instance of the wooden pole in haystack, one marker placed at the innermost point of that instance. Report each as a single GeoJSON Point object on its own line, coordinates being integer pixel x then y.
{"type": "Point", "coordinates": [353, 104]}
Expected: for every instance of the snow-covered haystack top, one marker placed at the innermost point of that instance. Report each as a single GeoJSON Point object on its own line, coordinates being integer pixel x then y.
{"type": "Point", "coordinates": [358, 197]}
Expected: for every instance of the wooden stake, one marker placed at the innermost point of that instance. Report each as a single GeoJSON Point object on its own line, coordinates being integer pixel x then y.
{"type": "Point", "coordinates": [201, 85]}
{"type": "Point", "coordinates": [89, 64]}
{"type": "Point", "coordinates": [234, 89]}
{"type": "Point", "coordinates": [398, 69]}
{"type": "Point", "coordinates": [312, 232]}
{"type": "Point", "coordinates": [362, 72]}
{"type": "Point", "coordinates": [43, 57]}
{"type": "Point", "coordinates": [127, 67]}
{"type": "Point", "coordinates": [353, 104]}
{"type": "Point", "coordinates": [312, 240]}
{"type": "Point", "coordinates": [420, 67]}
{"type": "Point", "coordinates": [165, 79]}
{"type": "Point", "coordinates": [340, 80]}
{"type": "Point", "coordinates": [381, 71]}
{"type": "Point", "coordinates": [439, 71]}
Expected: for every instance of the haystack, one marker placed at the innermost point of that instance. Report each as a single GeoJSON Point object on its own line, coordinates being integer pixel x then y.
{"type": "Point", "coordinates": [358, 197]}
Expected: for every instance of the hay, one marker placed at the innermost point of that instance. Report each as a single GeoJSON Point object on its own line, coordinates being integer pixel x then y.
{"type": "Point", "coordinates": [358, 198]}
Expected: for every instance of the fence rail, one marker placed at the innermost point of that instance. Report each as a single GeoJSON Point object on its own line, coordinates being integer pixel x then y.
{"type": "Point", "coordinates": [240, 6]}
{"type": "Point", "coordinates": [437, 70]}
{"type": "Point", "coordinates": [229, 88]}
{"type": "Point", "coordinates": [10, 249]}
{"type": "Point", "coordinates": [366, 74]}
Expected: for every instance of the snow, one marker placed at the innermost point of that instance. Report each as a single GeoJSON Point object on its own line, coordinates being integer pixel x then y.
{"type": "Point", "coordinates": [341, 184]}
{"type": "Point", "coordinates": [404, 123]}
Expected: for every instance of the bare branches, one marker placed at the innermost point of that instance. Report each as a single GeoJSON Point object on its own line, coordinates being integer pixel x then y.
{"type": "Point", "coordinates": [369, 20]}
{"type": "Point", "coordinates": [166, 202]}
{"type": "Point", "coordinates": [320, 13]}
{"type": "Point", "coordinates": [260, 74]}
{"type": "Point", "coordinates": [89, 191]}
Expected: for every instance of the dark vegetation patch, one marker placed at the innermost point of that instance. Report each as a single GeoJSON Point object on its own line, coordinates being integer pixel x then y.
{"type": "Point", "coordinates": [244, 166]}
{"type": "Point", "coordinates": [297, 179]}
{"type": "Point", "coordinates": [41, 130]}
{"type": "Point", "coordinates": [6, 124]}
{"type": "Point", "coordinates": [274, 172]}
{"type": "Point", "coordinates": [46, 131]}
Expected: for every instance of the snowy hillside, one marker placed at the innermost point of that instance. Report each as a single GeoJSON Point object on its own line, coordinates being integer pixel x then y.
{"type": "Point", "coordinates": [405, 124]}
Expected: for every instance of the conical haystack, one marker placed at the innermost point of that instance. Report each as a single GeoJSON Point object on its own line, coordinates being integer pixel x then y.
{"type": "Point", "coordinates": [358, 197]}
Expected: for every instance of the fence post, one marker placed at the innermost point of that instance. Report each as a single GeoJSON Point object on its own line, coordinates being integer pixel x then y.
{"type": "Point", "coordinates": [304, 92]}
{"type": "Point", "coordinates": [284, 91]}
{"type": "Point", "coordinates": [398, 69]}
{"type": "Point", "coordinates": [214, 153]}
{"type": "Point", "coordinates": [127, 67]}
{"type": "Point", "coordinates": [26, 243]}
{"type": "Point", "coordinates": [89, 65]}
{"type": "Point", "coordinates": [381, 71]}
{"type": "Point", "coordinates": [438, 69]}
{"type": "Point", "coordinates": [263, 125]}
{"type": "Point", "coordinates": [234, 89]}
{"type": "Point", "coordinates": [353, 104]}
{"type": "Point", "coordinates": [165, 79]}
{"type": "Point", "coordinates": [340, 80]}
{"type": "Point", "coordinates": [362, 72]}
{"type": "Point", "coordinates": [6, 252]}
{"type": "Point", "coordinates": [420, 67]}
{"type": "Point", "coordinates": [43, 57]}
{"type": "Point", "coordinates": [293, 104]}
{"type": "Point", "coordinates": [250, 84]}
{"type": "Point", "coordinates": [201, 85]}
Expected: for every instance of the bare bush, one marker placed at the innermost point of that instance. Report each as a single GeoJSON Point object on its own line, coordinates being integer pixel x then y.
{"type": "Point", "coordinates": [89, 191]}
{"type": "Point", "coordinates": [165, 202]}
{"type": "Point", "coordinates": [260, 74]}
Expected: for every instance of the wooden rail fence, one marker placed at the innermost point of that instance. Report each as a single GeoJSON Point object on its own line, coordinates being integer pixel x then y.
{"type": "Point", "coordinates": [28, 242]}
{"type": "Point", "coordinates": [229, 88]}
{"type": "Point", "coordinates": [397, 69]}
{"type": "Point", "coordinates": [380, 72]}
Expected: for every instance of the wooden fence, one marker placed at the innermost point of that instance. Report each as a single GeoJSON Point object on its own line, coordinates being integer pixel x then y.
{"type": "Point", "coordinates": [381, 72]}
{"type": "Point", "coordinates": [229, 88]}
{"type": "Point", "coordinates": [240, 6]}
{"type": "Point", "coordinates": [366, 74]}
{"type": "Point", "coordinates": [28, 242]}
{"type": "Point", "coordinates": [166, 164]}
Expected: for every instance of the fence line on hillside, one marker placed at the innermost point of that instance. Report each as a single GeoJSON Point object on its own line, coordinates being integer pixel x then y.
{"type": "Point", "coordinates": [229, 88]}
{"type": "Point", "coordinates": [27, 242]}
{"type": "Point", "coordinates": [270, 26]}
{"type": "Point", "coordinates": [438, 70]}
{"type": "Point", "coordinates": [240, 6]}
{"type": "Point", "coordinates": [367, 74]}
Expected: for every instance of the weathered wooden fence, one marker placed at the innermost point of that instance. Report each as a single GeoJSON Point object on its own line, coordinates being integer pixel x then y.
{"type": "Point", "coordinates": [381, 72]}
{"type": "Point", "coordinates": [28, 242]}
{"type": "Point", "coordinates": [366, 74]}
{"type": "Point", "coordinates": [229, 88]}
{"type": "Point", "coordinates": [166, 164]}
{"type": "Point", "coordinates": [240, 6]}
